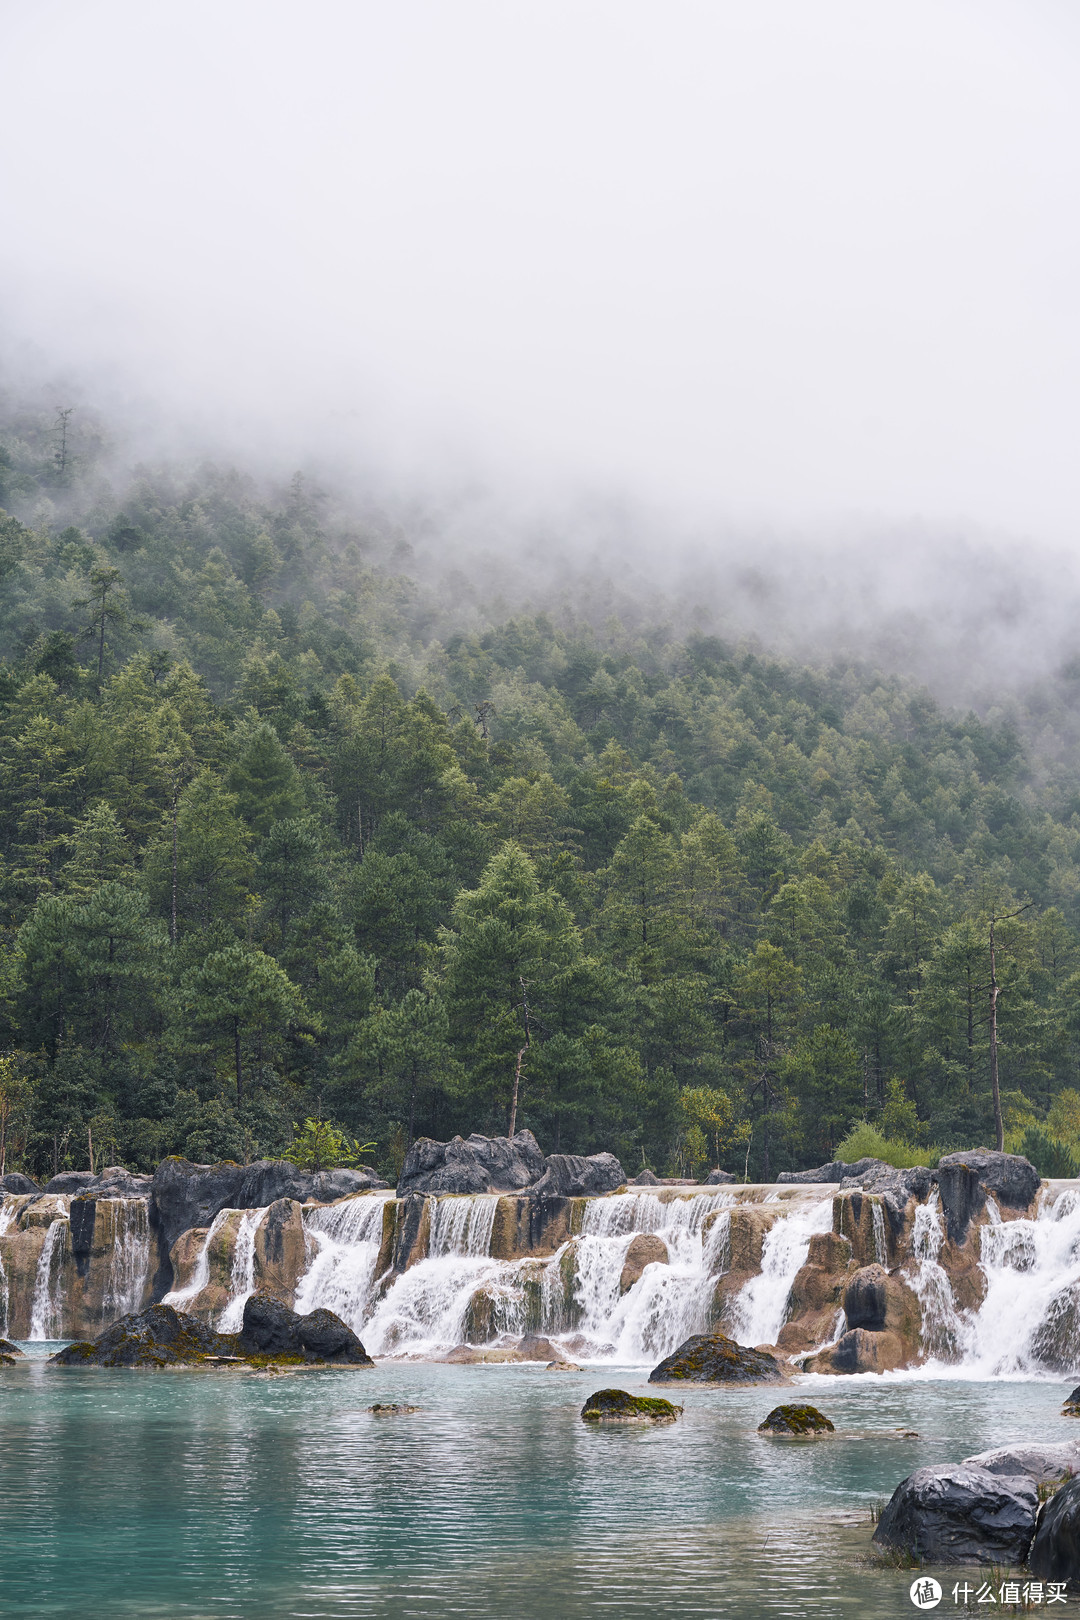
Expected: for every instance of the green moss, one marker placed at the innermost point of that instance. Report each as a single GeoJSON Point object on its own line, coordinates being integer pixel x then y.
{"type": "Point", "coordinates": [619, 1406]}
{"type": "Point", "coordinates": [798, 1420]}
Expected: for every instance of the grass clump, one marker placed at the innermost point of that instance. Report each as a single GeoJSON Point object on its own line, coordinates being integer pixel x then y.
{"type": "Point", "coordinates": [865, 1141]}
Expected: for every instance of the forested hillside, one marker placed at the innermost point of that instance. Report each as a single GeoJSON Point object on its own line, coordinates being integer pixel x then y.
{"type": "Point", "coordinates": [273, 850]}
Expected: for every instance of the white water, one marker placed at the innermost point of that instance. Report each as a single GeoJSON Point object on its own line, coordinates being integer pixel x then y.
{"type": "Point", "coordinates": [8, 1210]}
{"type": "Point", "coordinates": [47, 1306]}
{"type": "Point", "coordinates": [758, 1314]}
{"type": "Point", "coordinates": [181, 1298]}
{"type": "Point", "coordinates": [242, 1276]}
{"type": "Point", "coordinates": [129, 1263]}
{"type": "Point", "coordinates": [348, 1238]}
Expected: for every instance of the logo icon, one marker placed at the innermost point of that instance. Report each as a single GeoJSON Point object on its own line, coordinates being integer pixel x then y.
{"type": "Point", "coordinates": [925, 1593]}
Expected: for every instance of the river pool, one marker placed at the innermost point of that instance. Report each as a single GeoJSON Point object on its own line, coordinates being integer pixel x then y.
{"type": "Point", "coordinates": [238, 1496]}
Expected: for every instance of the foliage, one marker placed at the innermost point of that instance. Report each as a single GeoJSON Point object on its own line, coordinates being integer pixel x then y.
{"type": "Point", "coordinates": [317, 1145]}
{"type": "Point", "coordinates": [863, 1141]}
{"type": "Point", "coordinates": [281, 840]}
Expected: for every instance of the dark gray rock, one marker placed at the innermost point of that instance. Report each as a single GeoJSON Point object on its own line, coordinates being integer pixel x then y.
{"type": "Point", "coordinates": [1055, 1551]}
{"type": "Point", "coordinates": [959, 1514]}
{"type": "Point", "coordinates": [8, 1349]}
{"type": "Point", "coordinates": [865, 1299]}
{"type": "Point", "coordinates": [713, 1358]}
{"type": "Point", "coordinates": [568, 1175]}
{"type": "Point", "coordinates": [645, 1179]}
{"type": "Point", "coordinates": [965, 1179]}
{"type": "Point", "coordinates": [836, 1171]}
{"type": "Point", "coordinates": [70, 1181]}
{"type": "Point", "coordinates": [1043, 1464]}
{"type": "Point", "coordinates": [719, 1178]}
{"type": "Point", "coordinates": [186, 1194]}
{"type": "Point", "coordinates": [157, 1337]}
{"type": "Point", "coordinates": [18, 1185]}
{"type": "Point", "coordinates": [272, 1329]}
{"type": "Point", "coordinates": [1073, 1400]}
{"type": "Point", "coordinates": [474, 1164]}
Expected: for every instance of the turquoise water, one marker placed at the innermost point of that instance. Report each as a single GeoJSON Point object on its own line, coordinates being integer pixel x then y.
{"type": "Point", "coordinates": [258, 1497]}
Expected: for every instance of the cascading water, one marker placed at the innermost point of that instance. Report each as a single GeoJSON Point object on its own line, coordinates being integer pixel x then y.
{"type": "Point", "coordinates": [47, 1307]}
{"type": "Point", "coordinates": [181, 1298]}
{"type": "Point", "coordinates": [881, 1247]}
{"type": "Point", "coordinates": [348, 1237]}
{"type": "Point", "coordinates": [242, 1275]}
{"type": "Point", "coordinates": [757, 1315]}
{"type": "Point", "coordinates": [129, 1262]}
{"type": "Point", "coordinates": [945, 1329]}
{"type": "Point", "coordinates": [8, 1209]}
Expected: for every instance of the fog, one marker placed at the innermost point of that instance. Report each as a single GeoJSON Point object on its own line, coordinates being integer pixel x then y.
{"type": "Point", "coordinates": [769, 308]}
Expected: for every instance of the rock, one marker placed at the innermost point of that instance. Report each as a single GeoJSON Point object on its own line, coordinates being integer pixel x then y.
{"type": "Point", "coordinates": [470, 1355]}
{"type": "Point", "coordinates": [802, 1420]}
{"type": "Point", "coordinates": [1072, 1403]}
{"type": "Point", "coordinates": [618, 1406]}
{"type": "Point", "coordinates": [391, 1409]}
{"type": "Point", "coordinates": [646, 1249]}
{"type": "Point", "coordinates": [645, 1179]}
{"type": "Point", "coordinates": [156, 1337]}
{"type": "Point", "coordinates": [712, 1358]}
{"type": "Point", "coordinates": [477, 1164]}
{"type": "Point", "coordinates": [9, 1349]}
{"type": "Point", "coordinates": [965, 1179]}
{"type": "Point", "coordinates": [18, 1185]}
{"type": "Point", "coordinates": [70, 1181]}
{"type": "Point", "coordinates": [860, 1351]}
{"type": "Point", "coordinates": [568, 1175]}
{"type": "Point", "coordinates": [163, 1337]}
{"type": "Point", "coordinates": [719, 1178]}
{"type": "Point", "coordinates": [1044, 1464]}
{"type": "Point", "coordinates": [865, 1298]}
{"type": "Point", "coordinates": [1055, 1551]}
{"type": "Point", "coordinates": [187, 1195]}
{"type": "Point", "coordinates": [836, 1171]}
{"type": "Point", "coordinates": [534, 1347]}
{"type": "Point", "coordinates": [564, 1366]}
{"type": "Point", "coordinates": [958, 1514]}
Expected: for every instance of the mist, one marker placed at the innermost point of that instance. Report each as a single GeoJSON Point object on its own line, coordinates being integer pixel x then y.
{"type": "Point", "coordinates": [761, 319]}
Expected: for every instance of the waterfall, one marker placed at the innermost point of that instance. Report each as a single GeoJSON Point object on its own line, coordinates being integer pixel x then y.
{"type": "Point", "coordinates": [8, 1209]}
{"type": "Point", "coordinates": [181, 1298]}
{"type": "Point", "coordinates": [881, 1247]}
{"type": "Point", "coordinates": [348, 1237]}
{"type": "Point", "coordinates": [242, 1275]}
{"type": "Point", "coordinates": [758, 1313]}
{"type": "Point", "coordinates": [945, 1330]}
{"type": "Point", "coordinates": [129, 1261]}
{"type": "Point", "coordinates": [462, 1226]}
{"type": "Point", "coordinates": [47, 1307]}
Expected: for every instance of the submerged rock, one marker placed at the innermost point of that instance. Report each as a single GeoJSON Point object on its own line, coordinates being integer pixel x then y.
{"type": "Point", "coordinates": [618, 1406]}
{"type": "Point", "coordinates": [959, 1514]}
{"type": "Point", "coordinates": [798, 1420]}
{"type": "Point", "coordinates": [713, 1358]}
{"type": "Point", "coordinates": [1055, 1551]}
{"type": "Point", "coordinates": [391, 1409]}
{"type": "Point", "coordinates": [163, 1337]}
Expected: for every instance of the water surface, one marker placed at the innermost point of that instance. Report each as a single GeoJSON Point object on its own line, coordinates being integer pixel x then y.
{"type": "Point", "coordinates": [257, 1497]}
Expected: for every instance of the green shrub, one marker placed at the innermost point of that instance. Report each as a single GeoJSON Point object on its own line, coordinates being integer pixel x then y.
{"type": "Point", "coordinates": [863, 1141]}
{"type": "Point", "coordinates": [1049, 1156]}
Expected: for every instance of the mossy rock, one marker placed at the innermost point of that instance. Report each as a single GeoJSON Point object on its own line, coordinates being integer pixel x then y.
{"type": "Point", "coordinates": [391, 1409]}
{"type": "Point", "coordinates": [618, 1406]}
{"type": "Point", "coordinates": [713, 1358]}
{"type": "Point", "coordinates": [8, 1349]}
{"type": "Point", "coordinates": [797, 1420]}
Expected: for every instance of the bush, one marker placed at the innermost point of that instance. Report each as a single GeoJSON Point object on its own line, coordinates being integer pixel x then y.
{"type": "Point", "coordinates": [863, 1141]}
{"type": "Point", "coordinates": [1049, 1156]}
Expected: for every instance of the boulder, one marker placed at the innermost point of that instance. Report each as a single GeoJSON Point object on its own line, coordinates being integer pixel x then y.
{"type": "Point", "coordinates": [70, 1181]}
{"type": "Point", "coordinates": [645, 1179]}
{"type": "Point", "coordinates": [163, 1337]}
{"type": "Point", "coordinates": [18, 1185]}
{"type": "Point", "coordinates": [965, 1179]}
{"type": "Point", "coordinates": [1055, 1551]}
{"type": "Point", "coordinates": [713, 1358]}
{"type": "Point", "coordinates": [391, 1409]}
{"type": "Point", "coordinates": [645, 1249]}
{"type": "Point", "coordinates": [859, 1351]}
{"type": "Point", "coordinates": [186, 1195]}
{"type": "Point", "coordinates": [534, 1347]}
{"type": "Point", "coordinates": [475, 1164]}
{"type": "Point", "coordinates": [8, 1349]}
{"type": "Point", "coordinates": [865, 1301]}
{"type": "Point", "coordinates": [568, 1175]}
{"type": "Point", "coordinates": [798, 1420]}
{"type": "Point", "coordinates": [1072, 1403]}
{"type": "Point", "coordinates": [719, 1178]}
{"type": "Point", "coordinates": [835, 1171]}
{"type": "Point", "coordinates": [1044, 1464]}
{"type": "Point", "coordinates": [959, 1514]}
{"type": "Point", "coordinates": [618, 1406]}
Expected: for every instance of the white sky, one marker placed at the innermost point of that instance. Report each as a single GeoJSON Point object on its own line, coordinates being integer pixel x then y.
{"type": "Point", "coordinates": [788, 260]}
